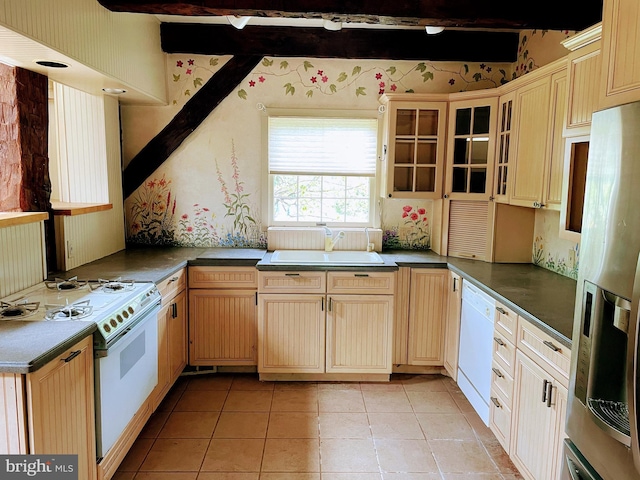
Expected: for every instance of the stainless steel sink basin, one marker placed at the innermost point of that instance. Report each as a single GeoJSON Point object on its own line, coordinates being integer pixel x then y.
{"type": "Point", "coordinates": [318, 257]}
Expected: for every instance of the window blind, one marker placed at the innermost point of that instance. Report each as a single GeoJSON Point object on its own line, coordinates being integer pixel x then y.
{"type": "Point", "coordinates": [323, 146]}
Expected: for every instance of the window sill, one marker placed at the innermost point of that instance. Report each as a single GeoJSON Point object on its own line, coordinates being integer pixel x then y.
{"type": "Point", "coordinates": [11, 219]}
{"type": "Point", "coordinates": [72, 209]}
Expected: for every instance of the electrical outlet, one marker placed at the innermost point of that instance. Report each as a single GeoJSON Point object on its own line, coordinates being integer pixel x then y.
{"type": "Point", "coordinates": [571, 259]}
{"type": "Point", "coordinates": [70, 251]}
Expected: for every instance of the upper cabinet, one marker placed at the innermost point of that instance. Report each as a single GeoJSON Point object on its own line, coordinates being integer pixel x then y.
{"type": "Point", "coordinates": [620, 53]}
{"type": "Point", "coordinates": [470, 148]}
{"type": "Point", "coordinates": [415, 127]}
{"type": "Point", "coordinates": [583, 73]}
{"type": "Point", "coordinates": [505, 122]}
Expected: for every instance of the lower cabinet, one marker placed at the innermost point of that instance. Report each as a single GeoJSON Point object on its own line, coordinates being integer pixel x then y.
{"type": "Point", "coordinates": [452, 328]}
{"type": "Point", "coordinates": [57, 415]}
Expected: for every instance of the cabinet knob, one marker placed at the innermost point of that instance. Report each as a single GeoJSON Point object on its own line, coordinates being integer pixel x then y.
{"type": "Point", "coordinates": [445, 196]}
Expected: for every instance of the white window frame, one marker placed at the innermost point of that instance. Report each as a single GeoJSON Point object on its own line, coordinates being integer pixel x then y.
{"type": "Point", "coordinates": [267, 180]}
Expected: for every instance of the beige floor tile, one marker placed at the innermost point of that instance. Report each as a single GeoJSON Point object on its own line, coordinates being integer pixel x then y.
{"type": "Point", "coordinates": [171, 399]}
{"type": "Point", "coordinates": [472, 476]}
{"type": "Point", "coordinates": [291, 455]}
{"type": "Point", "coordinates": [405, 456]}
{"type": "Point", "coordinates": [154, 424]}
{"type": "Point", "coordinates": [175, 455]}
{"type": "Point", "coordinates": [411, 476]}
{"type": "Point", "coordinates": [483, 432]}
{"type": "Point", "coordinates": [136, 455]}
{"type": "Point", "coordinates": [289, 476]}
{"type": "Point", "coordinates": [395, 425]}
{"type": "Point", "coordinates": [189, 425]}
{"type": "Point", "coordinates": [499, 457]}
{"type": "Point", "coordinates": [348, 455]}
{"type": "Point", "coordinates": [242, 425]}
{"type": "Point", "coordinates": [344, 425]}
{"type": "Point", "coordinates": [123, 475]}
{"type": "Point", "coordinates": [210, 382]}
{"type": "Point", "coordinates": [166, 476]}
{"type": "Point", "coordinates": [248, 401]}
{"type": "Point", "coordinates": [228, 476]}
{"type": "Point", "coordinates": [201, 401]}
{"type": "Point", "coordinates": [296, 386]}
{"type": "Point", "coordinates": [233, 455]}
{"type": "Point", "coordinates": [516, 476]}
{"type": "Point", "coordinates": [425, 383]}
{"type": "Point", "coordinates": [338, 386]}
{"type": "Point", "coordinates": [462, 457]}
{"type": "Point", "coordinates": [351, 476]}
{"type": "Point", "coordinates": [463, 404]}
{"type": "Point", "coordinates": [432, 402]}
{"type": "Point", "coordinates": [293, 425]}
{"type": "Point", "coordinates": [447, 426]}
{"type": "Point", "coordinates": [341, 401]}
{"type": "Point", "coordinates": [295, 401]}
{"type": "Point", "coordinates": [250, 382]}
{"type": "Point", "coordinates": [386, 402]}
{"type": "Point", "coordinates": [381, 386]}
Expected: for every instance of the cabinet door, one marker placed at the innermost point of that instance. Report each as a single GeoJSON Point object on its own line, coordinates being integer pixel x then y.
{"type": "Point", "coordinates": [552, 193]}
{"type": "Point", "coordinates": [222, 327]}
{"type": "Point", "coordinates": [427, 314]}
{"type": "Point", "coordinates": [61, 408]}
{"type": "Point", "coordinates": [164, 384]}
{"type": "Point", "coordinates": [291, 333]}
{"type": "Point", "coordinates": [503, 159]}
{"type": "Point", "coordinates": [177, 336]}
{"type": "Point", "coordinates": [359, 333]}
{"type": "Point", "coordinates": [470, 157]}
{"type": "Point", "coordinates": [620, 53]}
{"type": "Point", "coordinates": [415, 149]}
{"type": "Point", "coordinates": [532, 117]}
{"type": "Point", "coordinates": [533, 429]}
{"type": "Point", "coordinates": [452, 329]}
{"type": "Point", "coordinates": [584, 89]}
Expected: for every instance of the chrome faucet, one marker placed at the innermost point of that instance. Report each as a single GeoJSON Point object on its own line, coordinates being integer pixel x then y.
{"type": "Point", "coordinates": [329, 240]}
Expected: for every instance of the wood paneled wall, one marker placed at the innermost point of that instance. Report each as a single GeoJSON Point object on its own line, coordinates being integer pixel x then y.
{"type": "Point", "coordinates": [282, 238]}
{"type": "Point", "coordinates": [22, 257]}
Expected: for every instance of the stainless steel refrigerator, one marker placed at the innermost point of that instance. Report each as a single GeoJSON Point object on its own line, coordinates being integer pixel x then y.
{"type": "Point", "coordinates": [602, 417]}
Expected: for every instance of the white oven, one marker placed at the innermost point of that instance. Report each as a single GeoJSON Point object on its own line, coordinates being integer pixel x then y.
{"type": "Point", "coordinates": [125, 374]}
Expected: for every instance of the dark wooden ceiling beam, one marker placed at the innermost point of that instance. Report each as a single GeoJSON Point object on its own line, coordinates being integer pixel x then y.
{"type": "Point", "coordinates": [541, 14]}
{"type": "Point", "coordinates": [398, 44]}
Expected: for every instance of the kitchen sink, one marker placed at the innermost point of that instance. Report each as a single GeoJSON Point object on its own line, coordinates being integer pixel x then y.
{"type": "Point", "coordinates": [318, 257]}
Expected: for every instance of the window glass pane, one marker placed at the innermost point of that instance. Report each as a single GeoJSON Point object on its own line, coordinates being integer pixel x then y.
{"type": "Point", "coordinates": [309, 186]}
{"type": "Point", "coordinates": [428, 123]}
{"type": "Point", "coordinates": [402, 179]}
{"type": "Point", "coordinates": [459, 183]}
{"type": "Point", "coordinates": [479, 150]}
{"type": "Point", "coordinates": [285, 186]}
{"type": "Point", "coordinates": [357, 211]}
{"type": "Point", "coordinates": [426, 179]}
{"type": "Point", "coordinates": [333, 210]}
{"type": "Point", "coordinates": [463, 121]}
{"type": "Point", "coordinates": [359, 187]}
{"type": "Point", "coordinates": [427, 153]}
{"type": "Point", "coordinates": [333, 187]}
{"type": "Point", "coordinates": [460, 151]}
{"type": "Point", "coordinates": [285, 209]}
{"type": "Point", "coordinates": [481, 120]}
{"type": "Point", "coordinates": [406, 122]}
{"type": "Point", "coordinates": [310, 210]}
{"type": "Point", "coordinates": [404, 152]}
{"type": "Point", "coordinates": [478, 180]}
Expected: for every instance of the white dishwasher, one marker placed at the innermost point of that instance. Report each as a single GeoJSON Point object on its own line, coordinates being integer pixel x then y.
{"type": "Point", "coordinates": [476, 349]}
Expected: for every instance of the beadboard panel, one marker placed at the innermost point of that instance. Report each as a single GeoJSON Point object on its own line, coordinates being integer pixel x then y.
{"type": "Point", "coordinates": [88, 33]}
{"type": "Point", "coordinates": [282, 238]}
{"type": "Point", "coordinates": [13, 431]}
{"type": "Point", "coordinates": [401, 317]}
{"type": "Point", "coordinates": [22, 257]}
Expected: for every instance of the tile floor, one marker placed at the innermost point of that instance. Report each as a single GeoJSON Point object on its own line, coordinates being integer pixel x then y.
{"type": "Point", "coordinates": [235, 427]}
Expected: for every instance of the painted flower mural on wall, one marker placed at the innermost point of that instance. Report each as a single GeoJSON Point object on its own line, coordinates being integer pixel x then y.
{"type": "Point", "coordinates": [151, 215]}
{"type": "Point", "coordinates": [553, 261]}
{"type": "Point", "coordinates": [414, 234]}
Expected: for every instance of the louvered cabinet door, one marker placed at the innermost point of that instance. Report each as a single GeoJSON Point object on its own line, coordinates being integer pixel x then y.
{"type": "Point", "coordinates": [468, 229]}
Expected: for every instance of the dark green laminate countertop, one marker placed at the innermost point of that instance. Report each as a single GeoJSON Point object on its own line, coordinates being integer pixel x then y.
{"type": "Point", "coordinates": [540, 296]}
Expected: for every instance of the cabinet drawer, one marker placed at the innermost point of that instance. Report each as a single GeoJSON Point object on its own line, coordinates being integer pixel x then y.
{"type": "Point", "coordinates": [361, 282]}
{"type": "Point", "coordinates": [292, 282]}
{"type": "Point", "coordinates": [502, 382]}
{"type": "Point", "coordinates": [550, 354]}
{"type": "Point", "coordinates": [223, 277]}
{"type": "Point", "coordinates": [173, 285]}
{"type": "Point", "coordinates": [504, 352]}
{"type": "Point", "coordinates": [506, 322]}
{"type": "Point", "coordinates": [500, 419]}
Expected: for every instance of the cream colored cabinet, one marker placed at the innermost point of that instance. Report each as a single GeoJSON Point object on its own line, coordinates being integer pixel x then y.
{"type": "Point", "coordinates": [325, 323]}
{"type": "Point", "coordinates": [61, 393]}
{"type": "Point", "coordinates": [452, 328]}
{"type": "Point", "coordinates": [620, 53]}
{"type": "Point", "coordinates": [414, 145]}
{"type": "Point", "coordinates": [554, 167]}
{"type": "Point", "coordinates": [223, 316]}
{"type": "Point", "coordinates": [504, 161]}
{"type": "Point", "coordinates": [172, 334]}
{"type": "Point", "coordinates": [470, 148]}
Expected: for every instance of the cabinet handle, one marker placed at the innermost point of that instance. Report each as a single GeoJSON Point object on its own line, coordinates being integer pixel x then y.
{"type": "Point", "coordinates": [330, 303]}
{"type": "Point", "coordinates": [173, 279]}
{"type": "Point", "coordinates": [549, 394]}
{"type": "Point", "coordinates": [497, 372]}
{"type": "Point", "coordinates": [291, 274]}
{"type": "Point", "coordinates": [492, 198]}
{"type": "Point", "coordinates": [544, 390]}
{"type": "Point", "coordinates": [496, 402]}
{"type": "Point", "coordinates": [322, 304]}
{"type": "Point", "coordinates": [174, 310]}
{"type": "Point", "coordinates": [502, 311]}
{"type": "Point", "coordinates": [467, 255]}
{"type": "Point", "coordinates": [360, 274]}
{"type": "Point", "coordinates": [71, 356]}
{"type": "Point", "coordinates": [551, 346]}
{"type": "Point", "coordinates": [499, 341]}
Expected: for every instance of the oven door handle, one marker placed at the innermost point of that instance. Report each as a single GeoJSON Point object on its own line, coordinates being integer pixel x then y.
{"type": "Point", "coordinates": [150, 314]}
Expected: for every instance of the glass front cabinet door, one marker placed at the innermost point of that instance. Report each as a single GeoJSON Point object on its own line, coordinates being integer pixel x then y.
{"type": "Point", "coordinates": [414, 149]}
{"type": "Point", "coordinates": [470, 154]}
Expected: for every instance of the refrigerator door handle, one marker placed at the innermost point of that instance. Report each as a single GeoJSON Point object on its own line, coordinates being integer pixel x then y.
{"type": "Point", "coordinates": [633, 369]}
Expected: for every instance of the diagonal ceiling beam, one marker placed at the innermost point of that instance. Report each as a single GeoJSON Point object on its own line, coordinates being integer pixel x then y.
{"type": "Point", "coordinates": [203, 102]}
{"type": "Point", "coordinates": [398, 44]}
{"type": "Point", "coordinates": [541, 14]}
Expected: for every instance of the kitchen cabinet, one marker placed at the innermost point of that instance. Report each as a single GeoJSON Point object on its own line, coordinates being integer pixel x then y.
{"type": "Point", "coordinates": [501, 192]}
{"type": "Point", "coordinates": [223, 316]}
{"type": "Point", "coordinates": [584, 76]}
{"type": "Point", "coordinates": [452, 328]}
{"type": "Point", "coordinates": [540, 402]}
{"type": "Point", "coordinates": [554, 167]}
{"type": "Point", "coordinates": [38, 405]}
{"type": "Point", "coordinates": [414, 145]}
{"type": "Point", "coordinates": [172, 334]}
{"type": "Point", "coordinates": [470, 147]}
{"type": "Point", "coordinates": [325, 323]}
{"type": "Point", "coordinates": [620, 53]}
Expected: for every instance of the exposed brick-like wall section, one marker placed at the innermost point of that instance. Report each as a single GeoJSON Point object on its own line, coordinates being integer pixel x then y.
{"type": "Point", "coordinates": [24, 122]}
